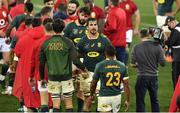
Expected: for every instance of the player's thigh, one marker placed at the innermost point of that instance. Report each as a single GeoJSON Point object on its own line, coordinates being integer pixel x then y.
{"type": "Point", "coordinates": [160, 20]}
{"type": "Point", "coordinates": [129, 35]}
{"type": "Point", "coordinates": [54, 87]}
{"type": "Point", "coordinates": [67, 88]}
{"type": "Point", "coordinates": [116, 103]}
{"type": "Point", "coordinates": [104, 104]}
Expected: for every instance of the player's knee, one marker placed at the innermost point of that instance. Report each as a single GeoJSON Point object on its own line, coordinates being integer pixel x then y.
{"type": "Point", "coordinates": [68, 95]}
{"type": "Point", "coordinates": [56, 100]}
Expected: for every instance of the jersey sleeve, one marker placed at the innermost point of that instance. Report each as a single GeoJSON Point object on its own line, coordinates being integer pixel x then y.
{"type": "Point", "coordinates": [125, 74]}
{"type": "Point", "coordinates": [96, 75]}
{"type": "Point", "coordinates": [133, 56]}
{"type": "Point", "coordinates": [42, 61]}
{"type": "Point", "coordinates": [80, 46]}
{"type": "Point", "coordinates": [134, 7]}
{"type": "Point", "coordinates": [67, 31]}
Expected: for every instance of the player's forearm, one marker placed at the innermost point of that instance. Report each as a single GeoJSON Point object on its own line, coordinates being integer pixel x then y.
{"type": "Point", "coordinates": [127, 91]}
{"type": "Point", "coordinates": [177, 7]}
{"type": "Point", "coordinates": [93, 87]}
{"type": "Point", "coordinates": [41, 69]}
{"type": "Point", "coordinates": [138, 20]}
{"type": "Point", "coordinates": [8, 32]}
{"type": "Point", "coordinates": [155, 6]}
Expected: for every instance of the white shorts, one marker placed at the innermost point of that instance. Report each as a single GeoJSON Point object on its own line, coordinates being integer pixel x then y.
{"type": "Point", "coordinates": [62, 87]}
{"type": "Point", "coordinates": [160, 20]}
{"type": "Point", "coordinates": [85, 84]}
{"type": "Point", "coordinates": [3, 46]}
{"type": "Point", "coordinates": [129, 35]}
{"type": "Point", "coordinates": [109, 103]}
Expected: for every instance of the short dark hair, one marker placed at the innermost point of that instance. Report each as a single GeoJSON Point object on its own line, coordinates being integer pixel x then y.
{"type": "Point", "coordinates": [110, 51]}
{"type": "Point", "coordinates": [48, 27]}
{"type": "Point", "coordinates": [115, 2]}
{"type": "Point", "coordinates": [85, 10]}
{"type": "Point", "coordinates": [47, 20]}
{"type": "Point", "coordinates": [178, 101]}
{"type": "Point", "coordinates": [144, 33]}
{"type": "Point", "coordinates": [58, 25]}
{"type": "Point", "coordinates": [29, 7]}
{"type": "Point", "coordinates": [45, 1]}
{"type": "Point", "coordinates": [45, 10]}
{"type": "Point", "coordinates": [36, 22]}
{"type": "Point", "coordinates": [91, 19]}
{"type": "Point", "coordinates": [74, 2]}
{"type": "Point", "coordinates": [28, 21]}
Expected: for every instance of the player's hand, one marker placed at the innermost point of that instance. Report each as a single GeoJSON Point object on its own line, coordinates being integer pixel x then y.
{"type": "Point", "coordinates": [136, 32]}
{"type": "Point", "coordinates": [7, 40]}
{"type": "Point", "coordinates": [85, 75]}
{"type": "Point", "coordinates": [43, 83]}
{"type": "Point", "coordinates": [32, 82]}
{"type": "Point", "coordinates": [126, 106]}
{"type": "Point", "coordinates": [12, 68]}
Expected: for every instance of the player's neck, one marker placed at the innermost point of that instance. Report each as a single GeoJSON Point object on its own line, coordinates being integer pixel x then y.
{"type": "Point", "coordinates": [110, 58]}
{"type": "Point", "coordinates": [92, 36]}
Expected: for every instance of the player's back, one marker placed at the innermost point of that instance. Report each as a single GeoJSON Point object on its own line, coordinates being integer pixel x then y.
{"type": "Point", "coordinates": [111, 73]}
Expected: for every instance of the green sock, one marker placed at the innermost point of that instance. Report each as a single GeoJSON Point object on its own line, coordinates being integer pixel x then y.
{"type": "Point", "coordinates": [44, 108]}
{"type": "Point", "coordinates": [80, 104]}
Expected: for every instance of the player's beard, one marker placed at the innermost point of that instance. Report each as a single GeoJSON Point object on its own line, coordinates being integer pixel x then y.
{"type": "Point", "coordinates": [93, 31]}
{"type": "Point", "coordinates": [71, 12]}
{"type": "Point", "coordinates": [82, 22]}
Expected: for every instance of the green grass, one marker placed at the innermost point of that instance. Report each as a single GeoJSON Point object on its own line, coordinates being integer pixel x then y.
{"type": "Point", "coordinates": [10, 103]}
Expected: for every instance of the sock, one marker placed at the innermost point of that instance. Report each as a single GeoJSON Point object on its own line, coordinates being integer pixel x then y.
{"type": "Point", "coordinates": [21, 103]}
{"type": "Point", "coordinates": [34, 110]}
{"type": "Point", "coordinates": [44, 108]}
{"type": "Point", "coordinates": [4, 69]}
{"type": "Point", "coordinates": [56, 110]}
{"type": "Point", "coordinates": [80, 104]}
{"type": "Point", "coordinates": [69, 110]}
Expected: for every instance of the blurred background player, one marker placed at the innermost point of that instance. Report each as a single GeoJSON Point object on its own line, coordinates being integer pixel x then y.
{"type": "Point", "coordinates": [91, 48]}
{"type": "Point", "coordinates": [49, 3]}
{"type": "Point", "coordinates": [72, 11]}
{"type": "Point", "coordinates": [17, 10]}
{"type": "Point", "coordinates": [96, 12]}
{"type": "Point", "coordinates": [115, 29]}
{"type": "Point", "coordinates": [164, 8]}
{"type": "Point", "coordinates": [59, 52]}
{"type": "Point", "coordinates": [77, 29]}
{"type": "Point", "coordinates": [111, 73]}
{"type": "Point", "coordinates": [4, 47]}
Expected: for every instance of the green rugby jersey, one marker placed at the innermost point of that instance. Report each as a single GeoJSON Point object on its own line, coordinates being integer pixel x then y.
{"type": "Point", "coordinates": [165, 6]}
{"type": "Point", "coordinates": [58, 53]}
{"type": "Point", "coordinates": [75, 32]}
{"type": "Point", "coordinates": [110, 73]}
{"type": "Point", "coordinates": [92, 50]}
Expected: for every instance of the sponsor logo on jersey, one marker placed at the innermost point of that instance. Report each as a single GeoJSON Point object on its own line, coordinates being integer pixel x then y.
{"type": "Point", "coordinates": [161, 1]}
{"type": "Point", "coordinates": [93, 54]}
{"type": "Point", "coordinates": [76, 40]}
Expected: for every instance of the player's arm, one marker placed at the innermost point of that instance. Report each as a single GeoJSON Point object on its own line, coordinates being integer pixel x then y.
{"type": "Point", "coordinates": [42, 61]}
{"type": "Point", "coordinates": [177, 7]}
{"type": "Point", "coordinates": [127, 93]}
{"type": "Point", "coordinates": [133, 59]}
{"type": "Point", "coordinates": [75, 56]}
{"type": "Point", "coordinates": [126, 89]}
{"type": "Point", "coordinates": [137, 20]}
{"type": "Point", "coordinates": [155, 7]}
